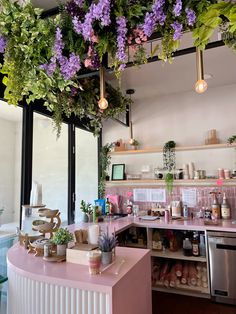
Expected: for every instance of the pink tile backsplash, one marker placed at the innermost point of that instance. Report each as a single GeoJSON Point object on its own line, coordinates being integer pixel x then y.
{"type": "Point", "coordinates": [204, 199]}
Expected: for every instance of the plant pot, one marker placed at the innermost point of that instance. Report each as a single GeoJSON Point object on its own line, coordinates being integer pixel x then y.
{"type": "Point", "coordinates": [61, 249]}
{"type": "Point", "coordinates": [106, 258]}
{"type": "Point", "coordinates": [85, 217]}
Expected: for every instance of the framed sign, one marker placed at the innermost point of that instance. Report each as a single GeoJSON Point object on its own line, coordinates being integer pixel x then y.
{"type": "Point", "coordinates": [118, 172]}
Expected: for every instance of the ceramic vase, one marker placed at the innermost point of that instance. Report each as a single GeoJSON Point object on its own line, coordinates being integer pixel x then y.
{"type": "Point", "coordinates": [61, 249]}
{"type": "Point", "coordinates": [106, 258]}
{"type": "Point", "coordinates": [85, 217]}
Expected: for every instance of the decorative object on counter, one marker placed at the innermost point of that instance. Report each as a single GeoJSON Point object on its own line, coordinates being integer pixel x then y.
{"type": "Point", "coordinates": [159, 173]}
{"type": "Point", "coordinates": [176, 210]}
{"type": "Point", "coordinates": [227, 174]}
{"type": "Point", "coordinates": [221, 174]}
{"type": "Point", "coordinates": [107, 244]}
{"type": "Point", "coordinates": [185, 211]}
{"type": "Point", "coordinates": [61, 238]}
{"type": "Point", "coordinates": [77, 254]}
{"type": "Point", "coordinates": [134, 143]}
{"type": "Point", "coordinates": [212, 138]}
{"type": "Point", "coordinates": [231, 139]}
{"type": "Point", "coordinates": [86, 209]}
{"type": "Point", "coordinates": [81, 236]}
{"type": "Point", "coordinates": [201, 84]}
{"type": "Point", "coordinates": [37, 246]}
{"type": "Point", "coordinates": [169, 164]}
{"type": "Point", "coordinates": [94, 260]}
{"type": "Point", "coordinates": [118, 172]}
{"type": "Point", "coordinates": [105, 161]}
{"type": "Point", "coordinates": [215, 205]}
{"type": "Point", "coordinates": [196, 175]}
{"type": "Point", "coordinates": [119, 145]}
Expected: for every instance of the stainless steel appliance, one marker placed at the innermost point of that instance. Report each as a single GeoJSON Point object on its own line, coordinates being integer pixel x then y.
{"type": "Point", "coordinates": [222, 263]}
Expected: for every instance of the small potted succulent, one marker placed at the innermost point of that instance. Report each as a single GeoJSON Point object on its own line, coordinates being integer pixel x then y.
{"type": "Point", "coordinates": [86, 209]}
{"type": "Point", "coordinates": [107, 244]}
{"type": "Point", "coordinates": [61, 238]}
{"type": "Point", "coordinates": [134, 143]}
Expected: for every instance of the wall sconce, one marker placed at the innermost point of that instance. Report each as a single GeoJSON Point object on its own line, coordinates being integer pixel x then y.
{"type": "Point", "coordinates": [201, 84]}
{"type": "Point", "coordinates": [102, 103]}
{"type": "Point", "coordinates": [131, 139]}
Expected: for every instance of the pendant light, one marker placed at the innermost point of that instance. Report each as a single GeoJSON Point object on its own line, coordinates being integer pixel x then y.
{"type": "Point", "coordinates": [102, 103]}
{"type": "Point", "coordinates": [201, 84]}
{"type": "Point", "coordinates": [131, 139]}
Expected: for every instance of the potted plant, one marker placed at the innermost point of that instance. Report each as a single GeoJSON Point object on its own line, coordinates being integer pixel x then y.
{"type": "Point", "coordinates": [105, 161]}
{"type": "Point", "coordinates": [169, 164]}
{"type": "Point", "coordinates": [107, 244]}
{"type": "Point", "coordinates": [61, 238]}
{"type": "Point", "coordinates": [86, 209]}
{"type": "Point", "coordinates": [134, 143]}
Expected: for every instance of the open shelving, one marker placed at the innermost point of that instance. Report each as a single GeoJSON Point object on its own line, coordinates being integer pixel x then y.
{"type": "Point", "coordinates": [177, 149]}
{"type": "Point", "coordinates": [177, 255]}
{"type": "Point", "coordinates": [184, 290]}
{"type": "Point", "coordinates": [156, 182]}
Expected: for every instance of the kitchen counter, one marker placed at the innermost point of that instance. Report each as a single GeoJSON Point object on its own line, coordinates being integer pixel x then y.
{"type": "Point", "coordinates": [40, 287]}
{"type": "Point", "coordinates": [124, 223]}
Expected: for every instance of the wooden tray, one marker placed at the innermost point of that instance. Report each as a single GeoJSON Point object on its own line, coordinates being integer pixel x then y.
{"type": "Point", "coordinates": [55, 258]}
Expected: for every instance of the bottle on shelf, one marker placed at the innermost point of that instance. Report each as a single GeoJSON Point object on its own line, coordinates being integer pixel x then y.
{"type": "Point", "coordinates": [187, 247]}
{"type": "Point", "coordinates": [225, 209]}
{"type": "Point", "coordinates": [157, 241]}
{"type": "Point", "coordinates": [202, 245]}
{"type": "Point", "coordinates": [195, 245]}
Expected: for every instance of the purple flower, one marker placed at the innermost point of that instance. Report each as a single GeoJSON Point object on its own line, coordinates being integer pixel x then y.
{"type": "Point", "coordinates": [191, 16]}
{"type": "Point", "coordinates": [80, 3]}
{"type": "Point", "coordinates": [177, 8]}
{"type": "Point", "coordinates": [3, 44]}
{"type": "Point", "coordinates": [177, 27]}
{"type": "Point", "coordinates": [157, 9]}
{"type": "Point", "coordinates": [78, 26]}
{"type": "Point", "coordinates": [149, 24]}
{"type": "Point", "coordinates": [121, 39]}
{"type": "Point", "coordinates": [70, 66]}
{"type": "Point", "coordinates": [157, 15]}
{"type": "Point", "coordinates": [58, 44]}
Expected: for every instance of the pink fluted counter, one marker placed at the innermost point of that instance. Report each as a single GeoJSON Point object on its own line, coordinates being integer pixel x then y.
{"type": "Point", "coordinates": [40, 287]}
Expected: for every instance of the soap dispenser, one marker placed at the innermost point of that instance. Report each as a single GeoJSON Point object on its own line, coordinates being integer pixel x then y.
{"type": "Point", "coordinates": [215, 206]}
{"type": "Point", "coordinates": [225, 209]}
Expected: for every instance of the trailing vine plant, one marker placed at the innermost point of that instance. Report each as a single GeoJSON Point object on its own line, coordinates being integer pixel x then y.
{"type": "Point", "coordinates": [169, 164]}
{"type": "Point", "coordinates": [105, 161]}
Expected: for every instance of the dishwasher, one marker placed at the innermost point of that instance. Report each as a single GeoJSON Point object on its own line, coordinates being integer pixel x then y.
{"type": "Point", "coordinates": [222, 264]}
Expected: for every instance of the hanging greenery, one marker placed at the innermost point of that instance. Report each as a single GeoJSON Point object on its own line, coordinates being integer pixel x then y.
{"type": "Point", "coordinates": [44, 57]}
{"type": "Point", "coordinates": [169, 164]}
{"type": "Point", "coordinates": [105, 161]}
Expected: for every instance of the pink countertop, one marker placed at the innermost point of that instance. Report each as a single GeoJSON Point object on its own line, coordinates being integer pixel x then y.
{"type": "Point", "coordinates": [74, 275]}
{"type": "Point", "coordinates": [121, 224]}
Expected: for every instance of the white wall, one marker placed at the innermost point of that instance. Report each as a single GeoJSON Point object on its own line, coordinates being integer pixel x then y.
{"type": "Point", "coordinates": [185, 118]}
{"type": "Point", "coordinates": [7, 169]}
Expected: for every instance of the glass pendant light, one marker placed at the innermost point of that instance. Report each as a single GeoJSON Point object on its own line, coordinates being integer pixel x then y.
{"type": "Point", "coordinates": [102, 103]}
{"type": "Point", "coordinates": [201, 84]}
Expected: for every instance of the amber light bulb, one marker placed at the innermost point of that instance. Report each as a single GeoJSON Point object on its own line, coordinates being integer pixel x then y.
{"type": "Point", "coordinates": [103, 103]}
{"type": "Point", "coordinates": [201, 86]}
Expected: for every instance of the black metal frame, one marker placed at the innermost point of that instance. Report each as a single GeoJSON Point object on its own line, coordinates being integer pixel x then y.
{"type": "Point", "coordinates": [71, 174]}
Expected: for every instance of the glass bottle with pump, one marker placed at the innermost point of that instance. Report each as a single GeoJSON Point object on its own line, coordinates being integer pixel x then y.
{"type": "Point", "coordinates": [225, 209]}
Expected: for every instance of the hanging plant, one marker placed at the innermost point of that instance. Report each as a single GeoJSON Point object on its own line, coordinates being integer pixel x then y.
{"type": "Point", "coordinates": [105, 161]}
{"type": "Point", "coordinates": [231, 139]}
{"type": "Point", "coordinates": [169, 164]}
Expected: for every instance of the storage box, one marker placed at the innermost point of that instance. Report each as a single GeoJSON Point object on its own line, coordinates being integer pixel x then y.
{"type": "Point", "coordinates": [78, 253]}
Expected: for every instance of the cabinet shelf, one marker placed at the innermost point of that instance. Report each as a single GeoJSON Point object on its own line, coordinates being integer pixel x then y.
{"type": "Point", "coordinates": [177, 149]}
{"type": "Point", "coordinates": [155, 182]}
{"type": "Point", "coordinates": [177, 255]}
{"type": "Point", "coordinates": [184, 290]}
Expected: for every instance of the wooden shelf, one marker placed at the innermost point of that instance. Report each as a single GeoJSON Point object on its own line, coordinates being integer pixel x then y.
{"type": "Point", "coordinates": [184, 290]}
{"type": "Point", "coordinates": [177, 255]}
{"type": "Point", "coordinates": [153, 182]}
{"type": "Point", "coordinates": [178, 149]}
